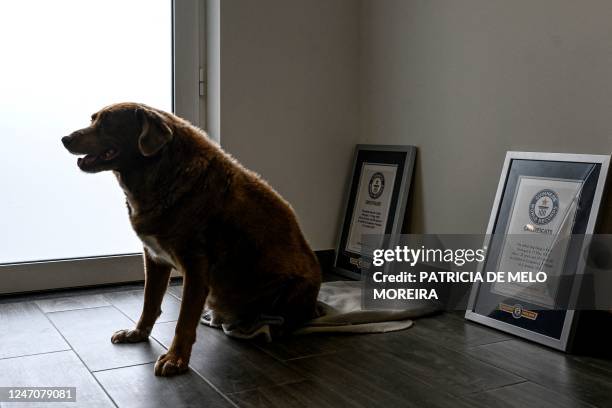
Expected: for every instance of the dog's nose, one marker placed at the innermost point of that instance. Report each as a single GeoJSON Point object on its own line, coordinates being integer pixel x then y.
{"type": "Point", "coordinates": [66, 140]}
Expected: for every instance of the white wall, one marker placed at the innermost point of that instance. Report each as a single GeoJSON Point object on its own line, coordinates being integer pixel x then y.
{"type": "Point", "coordinates": [467, 80]}
{"type": "Point", "coordinates": [302, 81]}
{"type": "Point", "coordinates": [289, 101]}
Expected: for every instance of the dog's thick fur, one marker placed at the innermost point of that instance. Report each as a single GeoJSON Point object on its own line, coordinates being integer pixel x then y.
{"type": "Point", "coordinates": [235, 240]}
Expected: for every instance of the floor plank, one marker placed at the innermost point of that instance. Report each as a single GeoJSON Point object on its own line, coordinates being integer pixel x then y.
{"type": "Point", "coordinates": [230, 365]}
{"type": "Point", "coordinates": [523, 395]}
{"type": "Point", "coordinates": [176, 291]}
{"type": "Point", "coordinates": [372, 380]}
{"type": "Point", "coordinates": [60, 369]}
{"type": "Point", "coordinates": [25, 330]}
{"type": "Point", "coordinates": [446, 369]}
{"type": "Point", "coordinates": [131, 302]}
{"type": "Point", "coordinates": [62, 304]}
{"type": "Point", "coordinates": [137, 386]}
{"type": "Point", "coordinates": [453, 331]}
{"type": "Point", "coordinates": [89, 332]}
{"type": "Point", "coordinates": [301, 394]}
{"type": "Point", "coordinates": [581, 378]}
{"type": "Point", "coordinates": [292, 347]}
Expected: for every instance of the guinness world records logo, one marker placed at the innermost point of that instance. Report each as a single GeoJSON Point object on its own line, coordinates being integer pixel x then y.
{"type": "Point", "coordinates": [517, 311]}
{"type": "Point", "coordinates": [376, 185]}
{"type": "Point", "coordinates": [544, 206]}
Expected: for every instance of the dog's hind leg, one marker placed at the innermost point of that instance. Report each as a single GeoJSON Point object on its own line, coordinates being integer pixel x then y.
{"type": "Point", "coordinates": [156, 283]}
{"type": "Point", "coordinates": [298, 303]}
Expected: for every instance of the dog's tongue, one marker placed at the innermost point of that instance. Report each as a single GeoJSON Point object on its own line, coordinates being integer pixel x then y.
{"type": "Point", "coordinates": [92, 158]}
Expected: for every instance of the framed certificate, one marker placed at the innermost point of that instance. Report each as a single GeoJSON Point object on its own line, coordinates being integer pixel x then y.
{"type": "Point", "coordinates": [376, 202]}
{"type": "Point", "coordinates": [546, 203]}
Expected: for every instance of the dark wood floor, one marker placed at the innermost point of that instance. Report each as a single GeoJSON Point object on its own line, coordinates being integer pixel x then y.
{"type": "Point", "coordinates": [443, 361]}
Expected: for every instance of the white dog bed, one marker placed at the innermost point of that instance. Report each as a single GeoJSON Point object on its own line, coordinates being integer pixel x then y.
{"type": "Point", "coordinates": [340, 312]}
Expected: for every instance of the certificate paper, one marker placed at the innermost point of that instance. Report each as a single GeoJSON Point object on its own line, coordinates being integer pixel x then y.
{"type": "Point", "coordinates": [539, 226]}
{"type": "Point", "coordinates": [372, 204]}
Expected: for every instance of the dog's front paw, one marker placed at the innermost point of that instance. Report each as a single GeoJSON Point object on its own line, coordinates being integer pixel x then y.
{"type": "Point", "coordinates": [170, 364]}
{"type": "Point", "coordinates": [129, 336]}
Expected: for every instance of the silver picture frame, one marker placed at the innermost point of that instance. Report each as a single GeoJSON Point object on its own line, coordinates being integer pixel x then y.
{"type": "Point", "coordinates": [564, 342]}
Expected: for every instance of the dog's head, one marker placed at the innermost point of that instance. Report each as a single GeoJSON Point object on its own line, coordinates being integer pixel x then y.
{"type": "Point", "coordinates": [119, 136]}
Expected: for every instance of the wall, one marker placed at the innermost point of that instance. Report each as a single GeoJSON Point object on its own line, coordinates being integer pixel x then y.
{"type": "Point", "coordinates": [467, 80]}
{"type": "Point", "coordinates": [289, 100]}
{"type": "Point", "coordinates": [302, 81]}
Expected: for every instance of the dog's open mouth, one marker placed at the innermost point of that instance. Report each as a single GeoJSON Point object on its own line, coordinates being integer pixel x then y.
{"type": "Point", "coordinates": [92, 160]}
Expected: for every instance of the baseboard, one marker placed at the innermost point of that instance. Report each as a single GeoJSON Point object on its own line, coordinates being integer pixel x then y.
{"type": "Point", "coordinates": [326, 259]}
{"type": "Point", "coordinates": [91, 272]}
{"type": "Point", "coordinates": [70, 273]}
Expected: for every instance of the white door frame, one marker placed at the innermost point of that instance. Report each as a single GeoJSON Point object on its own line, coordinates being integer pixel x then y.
{"type": "Point", "coordinates": [189, 89]}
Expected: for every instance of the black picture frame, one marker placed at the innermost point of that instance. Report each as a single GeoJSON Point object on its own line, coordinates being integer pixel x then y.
{"type": "Point", "coordinates": [377, 163]}
{"type": "Point", "coordinates": [555, 327]}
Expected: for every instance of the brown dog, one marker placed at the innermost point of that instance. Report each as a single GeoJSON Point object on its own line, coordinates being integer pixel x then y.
{"type": "Point", "coordinates": [234, 239]}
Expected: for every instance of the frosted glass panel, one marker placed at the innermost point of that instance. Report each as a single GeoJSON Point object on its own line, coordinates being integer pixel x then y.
{"type": "Point", "coordinates": [61, 61]}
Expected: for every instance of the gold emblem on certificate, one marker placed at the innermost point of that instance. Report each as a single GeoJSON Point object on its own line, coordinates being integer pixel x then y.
{"type": "Point", "coordinates": [517, 311]}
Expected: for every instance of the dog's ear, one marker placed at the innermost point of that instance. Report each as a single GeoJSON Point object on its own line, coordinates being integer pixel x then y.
{"type": "Point", "coordinates": [155, 133]}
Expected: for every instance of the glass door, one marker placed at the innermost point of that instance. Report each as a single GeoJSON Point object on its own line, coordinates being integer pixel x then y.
{"type": "Point", "coordinates": [62, 60]}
